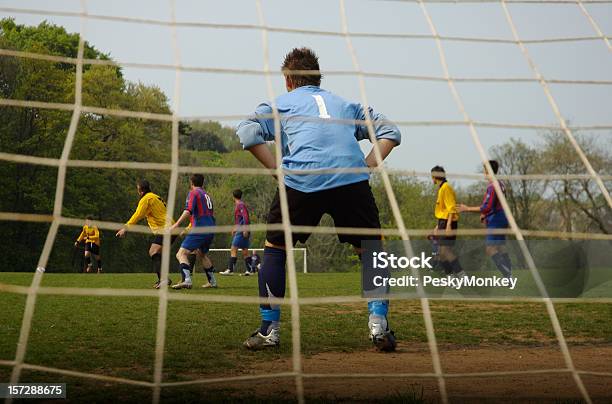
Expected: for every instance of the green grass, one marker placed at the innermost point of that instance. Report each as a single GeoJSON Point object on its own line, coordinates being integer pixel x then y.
{"type": "Point", "coordinates": [116, 335]}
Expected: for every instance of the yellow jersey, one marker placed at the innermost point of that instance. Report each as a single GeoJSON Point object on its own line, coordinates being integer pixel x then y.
{"type": "Point", "coordinates": [153, 208]}
{"type": "Point", "coordinates": [446, 203]}
{"type": "Point", "coordinates": [89, 234]}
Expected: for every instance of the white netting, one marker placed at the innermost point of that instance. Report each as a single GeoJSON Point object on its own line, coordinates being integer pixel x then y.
{"type": "Point", "coordinates": [295, 301]}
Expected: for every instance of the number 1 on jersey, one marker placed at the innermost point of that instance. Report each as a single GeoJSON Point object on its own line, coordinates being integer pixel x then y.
{"type": "Point", "coordinates": [322, 108]}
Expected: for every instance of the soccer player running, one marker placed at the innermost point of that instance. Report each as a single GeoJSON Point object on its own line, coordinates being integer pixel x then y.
{"type": "Point", "coordinates": [311, 141]}
{"type": "Point", "coordinates": [240, 238]}
{"type": "Point", "coordinates": [199, 210]}
{"type": "Point", "coordinates": [445, 212]}
{"type": "Point", "coordinates": [152, 207]}
{"type": "Point", "coordinates": [493, 216]}
{"type": "Point", "coordinates": [90, 235]}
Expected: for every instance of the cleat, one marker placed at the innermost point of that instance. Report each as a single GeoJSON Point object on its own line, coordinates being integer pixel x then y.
{"type": "Point", "coordinates": [209, 285]}
{"type": "Point", "coordinates": [380, 335]}
{"type": "Point", "coordinates": [246, 274]}
{"type": "Point", "coordinates": [384, 342]}
{"type": "Point", "coordinates": [259, 341]}
{"type": "Point", "coordinates": [182, 285]}
{"type": "Point", "coordinates": [460, 274]}
{"type": "Point", "coordinates": [157, 284]}
{"type": "Point", "coordinates": [227, 272]}
{"type": "Point", "coordinates": [99, 270]}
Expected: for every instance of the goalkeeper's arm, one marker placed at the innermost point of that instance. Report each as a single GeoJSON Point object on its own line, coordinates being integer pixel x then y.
{"type": "Point", "coordinates": [255, 132]}
{"type": "Point", "coordinates": [264, 155]}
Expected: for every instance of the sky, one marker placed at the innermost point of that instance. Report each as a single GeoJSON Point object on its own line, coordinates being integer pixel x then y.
{"type": "Point", "coordinates": [210, 94]}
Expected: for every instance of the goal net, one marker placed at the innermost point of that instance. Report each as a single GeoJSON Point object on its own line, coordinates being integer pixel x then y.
{"type": "Point", "coordinates": [297, 260]}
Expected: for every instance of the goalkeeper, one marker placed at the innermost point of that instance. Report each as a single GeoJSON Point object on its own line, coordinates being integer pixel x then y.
{"type": "Point", "coordinates": [310, 143]}
{"type": "Point", "coordinates": [91, 236]}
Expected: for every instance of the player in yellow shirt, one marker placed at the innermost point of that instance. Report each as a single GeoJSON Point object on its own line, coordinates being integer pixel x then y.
{"type": "Point", "coordinates": [90, 235]}
{"type": "Point", "coordinates": [448, 220]}
{"type": "Point", "coordinates": [152, 207]}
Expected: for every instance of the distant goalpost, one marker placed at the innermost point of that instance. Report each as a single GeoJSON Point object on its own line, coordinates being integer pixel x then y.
{"type": "Point", "coordinates": [302, 250]}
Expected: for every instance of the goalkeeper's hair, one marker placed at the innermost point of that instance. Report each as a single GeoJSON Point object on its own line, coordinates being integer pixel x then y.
{"type": "Point", "coordinates": [197, 180]}
{"type": "Point", "coordinates": [237, 193]}
{"type": "Point", "coordinates": [302, 59]}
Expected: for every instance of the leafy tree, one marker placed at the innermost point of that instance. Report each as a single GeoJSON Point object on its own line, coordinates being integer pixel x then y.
{"type": "Point", "coordinates": [109, 194]}
{"type": "Point", "coordinates": [203, 136]}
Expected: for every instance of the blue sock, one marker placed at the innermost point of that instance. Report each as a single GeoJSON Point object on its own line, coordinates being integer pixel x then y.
{"type": "Point", "coordinates": [186, 273]}
{"type": "Point", "coordinates": [448, 268]}
{"type": "Point", "coordinates": [456, 266]}
{"type": "Point", "coordinates": [502, 264]}
{"type": "Point", "coordinates": [378, 307]}
{"type": "Point", "coordinates": [507, 262]}
{"type": "Point", "coordinates": [208, 272]}
{"type": "Point", "coordinates": [271, 278]}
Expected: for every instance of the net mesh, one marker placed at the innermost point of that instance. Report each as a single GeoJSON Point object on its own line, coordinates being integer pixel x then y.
{"type": "Point", "coordinates": [295, 301]}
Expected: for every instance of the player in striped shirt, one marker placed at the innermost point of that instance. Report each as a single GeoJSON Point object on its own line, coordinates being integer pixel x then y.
{"type": "Point", "coordinates": [240, 238]}
{"type": "Point", "coordinates": [152, 207]}
{"type": "Point", "coordinates": [493, 216]}
{"type": "Point", "coordinates": [90, 235]}
{"type": "Point", "coordinates": [199, 210]}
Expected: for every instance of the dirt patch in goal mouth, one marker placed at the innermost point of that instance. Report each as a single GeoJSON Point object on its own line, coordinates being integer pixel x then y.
{"type": "Point", "coordinates": [407, 375]}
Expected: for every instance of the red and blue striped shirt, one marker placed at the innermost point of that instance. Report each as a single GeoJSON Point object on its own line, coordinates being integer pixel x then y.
{"type": "Point", "coordinates": [200, 205]}
{"type": "Point", "coordinates": [491, 207]}
{"type": "Point", "coordinates": [241, 214]}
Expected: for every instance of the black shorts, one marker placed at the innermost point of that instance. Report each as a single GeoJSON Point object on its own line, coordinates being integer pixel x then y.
{"type": "Point", "coordinates": [159, 239]}
{"type": "Point", "coordinates": [350, 205]}
{"type": "Point", "coordinates": [446, 240]}
{"type": "Point", "coordinates": [93, 248]}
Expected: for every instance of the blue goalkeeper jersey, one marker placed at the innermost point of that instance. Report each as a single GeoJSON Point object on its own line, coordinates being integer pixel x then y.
{"type": "Point", "coordinates": [317, 132]}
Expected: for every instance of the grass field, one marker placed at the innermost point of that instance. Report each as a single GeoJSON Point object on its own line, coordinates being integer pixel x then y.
{"type": "Point", "coordinates": [115, 336]}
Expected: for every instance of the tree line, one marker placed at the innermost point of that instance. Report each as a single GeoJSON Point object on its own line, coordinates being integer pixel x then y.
{"type": "Point", "coordinates": [110, 194]}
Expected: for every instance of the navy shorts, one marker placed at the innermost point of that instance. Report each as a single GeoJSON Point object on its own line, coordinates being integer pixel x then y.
{"type": "Point", "coordinates": [240, 241]}
{"type": "Point", "coordinates": [496, 239]}
{"type": "Point", "coordinates": [198, 241]}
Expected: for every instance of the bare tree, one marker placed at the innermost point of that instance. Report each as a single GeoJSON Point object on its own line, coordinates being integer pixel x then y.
{"type": "Point", "coordinates": [580, 202]}
{"type": "Point", "coordinates": [525, 197]}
